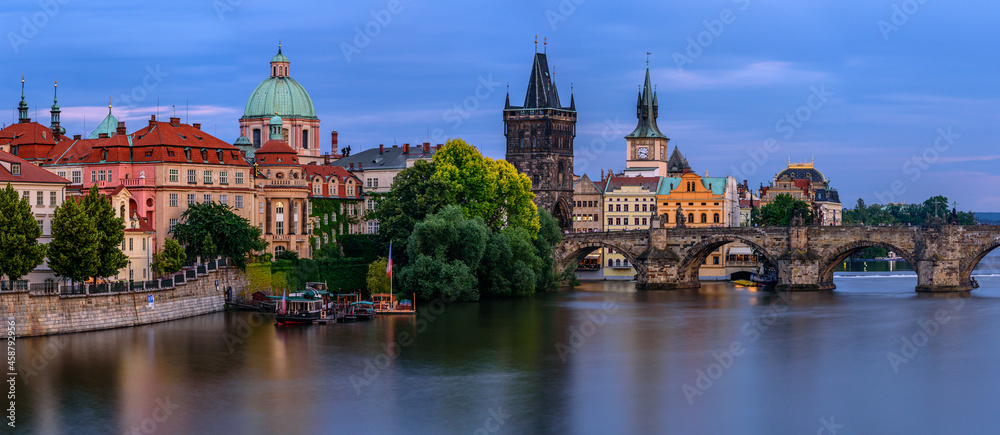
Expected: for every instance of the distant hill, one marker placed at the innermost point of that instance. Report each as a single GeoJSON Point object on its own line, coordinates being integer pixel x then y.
{"type": "Point", "coordinates": [988, 217]}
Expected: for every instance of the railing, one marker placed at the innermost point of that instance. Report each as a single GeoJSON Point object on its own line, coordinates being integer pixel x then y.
{"type": "Point", "coordinates": [52, 287]}
{"type": "Point", "coordinates": [136, 182]}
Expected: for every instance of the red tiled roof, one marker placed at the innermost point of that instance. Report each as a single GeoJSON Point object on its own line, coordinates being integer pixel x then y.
{"type": "Point", "coordinates": [29, 172]}
{"type": "Point", "coordinates": [31, 140]}
{"type": "Point", "coordinates": [329, 172]}
{"type": "Point", "coordinates": [648, 183]}
{"type": "Point", "coordinates": [276, 152]}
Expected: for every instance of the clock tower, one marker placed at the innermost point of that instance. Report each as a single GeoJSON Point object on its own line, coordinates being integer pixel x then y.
{"type": "Point", "coordinates": [646, 145]}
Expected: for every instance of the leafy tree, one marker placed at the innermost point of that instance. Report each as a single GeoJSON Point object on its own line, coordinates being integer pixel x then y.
{"type": "Point", "coordinates": [445, 250]}
{"type": "Point", "coordinates": [378, 280]}
{"type": "Point", "coordinates": [19, 248]}
{"type": "Point", "coordinates": [779, 212]}
{"type": "Point", "coordinates": [509, 265]}
{"type": "Point", "coordinates": [549, 235]}
{"type": "Point", "coordinates": [110, 233]}
{"type": "Point", "coordinates": [906, 214]}
{"type": "Point", "coordinates": [170, 259]}
{"type": "Point", "coordinates": [210, 230]}
{"type": "Point", "coordinates": [74, 251]}
{"type": "Point", "coordinates": [490, 189]}
{"type": "Point", "coordinates": [414, 195]}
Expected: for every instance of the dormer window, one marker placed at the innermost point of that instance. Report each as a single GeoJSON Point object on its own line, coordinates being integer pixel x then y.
{"type": "Point", "coordinates": [219, 154]}
{"type": "Point", "coordinates": [15, 169]}
{"type": "Point", "coordinates": [104, 155]}
{"type": "Point", "coordinates": [187, 154]}
{"type": "Point", "coordinates": [204, 155]}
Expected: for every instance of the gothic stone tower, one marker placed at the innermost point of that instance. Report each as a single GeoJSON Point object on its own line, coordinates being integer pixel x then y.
{"type": "Point", "coordinates": [540, 142]}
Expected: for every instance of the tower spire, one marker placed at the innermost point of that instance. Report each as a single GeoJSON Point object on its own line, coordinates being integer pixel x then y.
{"type": "Point", "coordinates": [536, 43]}
{"type": "Point", "coordinates": [54, 111]}
{"type": "Point", "coordinates": [22, 107]}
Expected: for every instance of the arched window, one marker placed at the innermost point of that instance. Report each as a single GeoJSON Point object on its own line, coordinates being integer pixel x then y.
{"type": "Point", "coordinates": [666, 218]}
{"type": "Point", "coordinates": [704, 218]}
{"type": "Point", "coordinates": [278, 249]}
{"type": "Point", "coordinates": [305, 139]}
{"type": "Point", "coordinates": [279, 209]}
{"type": "Point", "coordinates": [611, 262]}
{"type": "Point", "coordinates": [715, 218]}
{"type": "Point", "coordinates": [256, 138]}
{"type": "Point", "coordinates": [618, 262]}
{"type": "Point", "coordinates": [691, 218]}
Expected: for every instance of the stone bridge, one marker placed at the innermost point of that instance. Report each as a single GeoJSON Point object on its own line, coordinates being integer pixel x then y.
{"type": "Point", "coordinates": [805, 257]}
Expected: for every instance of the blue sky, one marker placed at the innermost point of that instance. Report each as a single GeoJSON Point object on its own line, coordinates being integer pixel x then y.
{"type": "Point", "coordinates": [909, 95]}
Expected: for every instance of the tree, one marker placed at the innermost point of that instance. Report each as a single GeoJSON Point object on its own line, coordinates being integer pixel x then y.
{"type": "Point", "coordinates": [779, 212]}
{"type": "Point", "coordinates": [210, 230]}
{"type": "Point", "coordinates": [490, 189]}
{"type": "Point", "coordinates": [74, 251]}
{"type": "Point", "coordinates": [510, 265]}
{"type": "Point", "coordinates": [19, 248]}
{"type": "Point", "coordinates": [445, 251]}
{"type": "Point", "coordinates": [378, 280]}
{"type": "Point", "coordinates": [170, 259]}
{"type": "Point", "coordinates": [549, 235]}
{"type": "Point", "coordinates": [110, 233]}
{"type": "Point", "coordinates": [288, 255]}
{"type": "Point", "coordinates": [414, 195]}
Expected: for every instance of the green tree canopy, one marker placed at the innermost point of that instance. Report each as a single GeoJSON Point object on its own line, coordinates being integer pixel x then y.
{"type": "Point", "coordinates": [445, 251]}
{"type": "Point", "coordinates": [378, 280]}
{"type": "Point", "coordinates": [74, 251]}
{"type": "Point", "coordinates": [169, 259]}
{"type": "Point", "coordinates": [110, 233]}
{"type": "Point", "coordinates": [210, 230]}
{"type": "Point", "coordinates": [19, 233]}
{"type": "Point", "coordinates": [490, 189]}
{"type": "Point", "coordinates": [934, 209]}
{"type": "Point", "coordinates": [414, 195]}
{"type": "Point", "coordinates": [779, 212]}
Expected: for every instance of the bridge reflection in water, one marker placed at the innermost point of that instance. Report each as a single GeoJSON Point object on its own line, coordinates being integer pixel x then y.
{"type": "Point", "coordinates": [805, 257]}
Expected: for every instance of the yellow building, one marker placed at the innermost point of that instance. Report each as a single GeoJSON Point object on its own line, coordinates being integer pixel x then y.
{"type": "Point", "coordinates": [629, 204]}
{"type": "Point", "coordinates": [704, 202]}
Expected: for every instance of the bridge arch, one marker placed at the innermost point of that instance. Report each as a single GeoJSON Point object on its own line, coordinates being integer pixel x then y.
{"type": "Point", "coordinates": [828, 263]}
{"type": "Point", "coordinates": [976, 255]}
{"type": "Point", "coordinates": [578, 251]}
{"type": "Point", "coordinates": [695, 255]}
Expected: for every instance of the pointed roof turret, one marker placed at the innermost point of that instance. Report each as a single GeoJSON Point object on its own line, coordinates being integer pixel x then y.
{"type": "Point", "coordinates": [109, 126]}
{"type": "Point", "coordinates": [22, 107]}
{"type": "Point", "coordinates": [542, 93]}
{"type": "Point", "coordinates": [677, 164]}
{"type": "Point", "coordinates": [55, 111]}
{"type": "Point", "coordinates": [647, 110]}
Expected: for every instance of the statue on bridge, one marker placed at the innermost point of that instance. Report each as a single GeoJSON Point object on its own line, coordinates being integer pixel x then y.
{"type": "Point", "coordinates": [680, 219]}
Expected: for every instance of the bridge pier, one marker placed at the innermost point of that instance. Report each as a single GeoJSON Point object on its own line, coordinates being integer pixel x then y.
{"type": "Point", "coordinates": [937, 275]}
{"type": "Point", "coordinates": [800, 271]}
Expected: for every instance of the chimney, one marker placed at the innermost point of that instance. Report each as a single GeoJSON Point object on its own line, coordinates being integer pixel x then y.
{"type": "Point", "coordinates": [406, 148]}
{"type": "Point", "coordinates": [121, 128]}
{"type": "Point", "coordinates": [152, 120]}
{"type": "Point", "coordinates": [427, 147]}
{"type": "Point", "coordinates": [334, 141]}
{"type": "Point", "coordinates": [326, 157]}
{"type": "Point", "coordinates": [196, 125]}
{"type": "Point", "coordinates": [76, 137]}
{"type": "Point", "coordinates": [175, 122]}
{"type": "Point", "coordinates": [360, 166]}
{"type": "Point", "coordinates": [102, 135]}
{"type": "Point", "coordinates": [381, 148]}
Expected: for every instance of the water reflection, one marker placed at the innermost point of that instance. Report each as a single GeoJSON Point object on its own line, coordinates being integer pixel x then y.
{"type": "Point", "coordinates": [600, 359]}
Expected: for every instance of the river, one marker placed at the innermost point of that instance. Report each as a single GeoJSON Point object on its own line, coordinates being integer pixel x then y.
{"type": "Point", "coordinates": [602, 358]}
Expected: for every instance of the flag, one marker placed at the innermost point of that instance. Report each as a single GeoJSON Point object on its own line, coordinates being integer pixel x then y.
{"type": "Point", "coordinates": [388, 267]}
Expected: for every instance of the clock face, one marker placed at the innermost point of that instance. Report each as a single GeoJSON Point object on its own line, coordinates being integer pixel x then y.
{"type": "Point", "coordinates": [642, 152]}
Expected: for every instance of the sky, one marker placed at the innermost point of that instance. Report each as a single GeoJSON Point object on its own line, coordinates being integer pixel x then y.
{"type": "Point", "coordinates": [894, 101]}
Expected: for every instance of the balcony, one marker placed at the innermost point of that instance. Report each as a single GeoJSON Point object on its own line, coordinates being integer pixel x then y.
{"type": "Point", "coordinates": [137, 182]}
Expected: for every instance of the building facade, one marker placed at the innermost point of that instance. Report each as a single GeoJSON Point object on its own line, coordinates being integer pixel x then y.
{"type": "Point", "coordinates": [702, 202]}
{"type": "Point", "coordinates": [588, 206]}
{"type": "Point", "coordinates": [629, 204]}
{"type": "Point", "coordinates": [539, 138]}
{"type": "Point", "coordinates": [44, 191]}
{"type": "Point", "coordinates": [282, 195]}
{"type": "Point", "coordinates": [336, 202]}
{"type": "Point", "coordinates": [804, 182]}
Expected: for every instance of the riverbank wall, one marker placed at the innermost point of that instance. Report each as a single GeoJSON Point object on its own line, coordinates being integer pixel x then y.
{"type": "Point", "coordinates": [46, 314]}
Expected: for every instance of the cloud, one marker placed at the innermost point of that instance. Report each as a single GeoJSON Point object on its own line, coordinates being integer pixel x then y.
{"type": "Point", "coordinates": [751, 75]}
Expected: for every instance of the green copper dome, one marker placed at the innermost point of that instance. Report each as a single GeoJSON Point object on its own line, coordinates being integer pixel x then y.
{"type": "Point", "coordinates": [283, 94]}
{"type": "Point", "coordinates": [279, 57]}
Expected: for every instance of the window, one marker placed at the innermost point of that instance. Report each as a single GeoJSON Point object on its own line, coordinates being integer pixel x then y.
{"type": "Point", "coordinates": [100, 175]}
{"type": "Point", "coordinates": [317, 189]}
{"type": "Point", "coordinates": [691, 218]}
{"type": "Point", "coordinates": [715, 259]}
{"type": "Point", "coordinates": [666, 218]}
{"type": "Point", "coordinates": [131, 274]}
{"type": "Point", "coordinates": [175, 175]}
{"type": "Point", "coordinates": [715, 218]}
{"type": "Point", "coordinates": [60, 173]}
{"type": "Point", "coordinates": [130, 246]}
{"type": "Point", "coordinates": [191, 199]}
{"type": "Point", "coordinates": [173, 200]}
{"type": "Point", "coordinates": [144, 245]}
{"type": "Point", "coordinates": [223, 177]}
{"type": "Point", "coordinates": [52, 199]}
{"type": "Point", "coordinates": [27, 196]}
{"type": "Point", "coordinates": [208, 177]}
{"type": "Point", "coordinates": [41, 225]}
{"type": "Point", "coordinates": [704, 218]}
{"type": "Point", "coordinates": [279, 228]}
{"type": "Point", "coordinates": [239, 201]}
{"type": "Point", "coordinates": [350, 190]}
{"type": "Point", "coordinates": [77, 179]}
{"type": "Point", "coordinates": [618, 221]}
{"type": "Point", "coordinates": [619, 207]}
{"type": "Point", "coordinates": [372, 227]}
{"type": "Point", "coordinates": [610, 221]}
{"type": "Point", "coordinates": [644, 207]}
{"type": "Point", "coordinates": [260, 206]}
{"type": "Point", "coordinates": [611, 207]}
{"type": "Point", "coordinates": [305, 138]}
{"type": "Point", "coordinates": [208, 198]}
{"type": "Point", "coordinates": [173, 224]}
{"type": "Point", "coordinates": [224, 199]}
{"type": "Point", "coordinates": [637, 221]}
{"type": "Point", "coordinates": [39, 198]}
{"type": "Point", "coordinates": [256, 138]}
{"type": "Point", "coordinates": [192, 176]}
{"type": "Point", "coordinates": [239, 178]}
{"type": "Point", "coordinates": [644, 222]}
{"type": "Point", "coordinates": [15, 168]}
